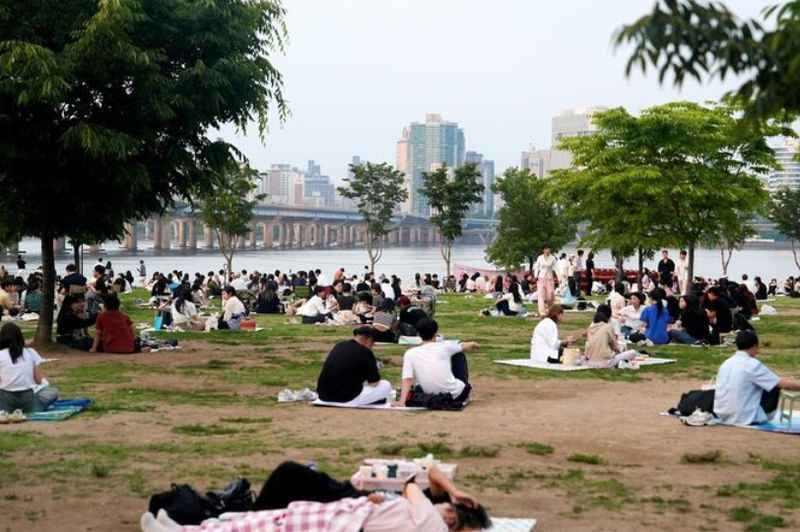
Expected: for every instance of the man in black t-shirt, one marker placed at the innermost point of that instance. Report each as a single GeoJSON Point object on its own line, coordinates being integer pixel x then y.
{"type": "Point", "coordinates": [350, 372]}
{"type": "Point", "coordinates": [73, 278]}
{"type": "Point", "coordinates": [409, 316]}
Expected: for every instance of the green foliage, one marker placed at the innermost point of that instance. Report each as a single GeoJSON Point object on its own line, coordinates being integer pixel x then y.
{"type": "Point", "coordinates": [690, 39]}
{"type": "Point", "coordinates": [227, 206]}
{"type": "Point", "coordinates": [784, 211]}
{"type": "Point", "coordinates": [106, 106]}
{"type": "Point", "coordinates": [450, 201]}
{"type": "Point", "coordinates": [590, 459]}
{"type": "Point", "coordinates": [529, 220]}
{"type": "Point", "coordinates": [709, 457]}
{"type": "Point", "coordinates": [684, 174]}
{"type": "Point", "coordinates": [377, 190]}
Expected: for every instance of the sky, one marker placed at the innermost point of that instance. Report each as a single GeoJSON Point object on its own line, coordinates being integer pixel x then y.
{"type": "Point", "coordinates": [357, 71]}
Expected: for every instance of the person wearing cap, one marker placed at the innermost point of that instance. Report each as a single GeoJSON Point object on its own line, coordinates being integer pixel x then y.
{"type": "Point", "coordinates": [350, 372]}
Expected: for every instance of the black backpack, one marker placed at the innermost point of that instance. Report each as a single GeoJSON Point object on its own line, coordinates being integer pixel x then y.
{"type": "Point", "coordinates": [691, 401]}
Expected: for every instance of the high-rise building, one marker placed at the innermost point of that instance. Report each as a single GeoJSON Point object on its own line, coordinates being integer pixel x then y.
{"type": "Point", "coordinates": [789, 173]}
{"type": "Point", "coordinates": [538, 162]}
{"type": "Point", "coordinates": [284, 185]}
{"type": "Point", "coordinates": [486, 206]}
{"type": "Point", "coordinates": [577, 122]}
{"type": "Point", "coordinates": [423, 147]}
{"type": "Point", "coordinates": [318, 190]}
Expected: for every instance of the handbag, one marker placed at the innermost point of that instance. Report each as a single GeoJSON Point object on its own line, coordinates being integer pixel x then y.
{"type": "Point", "coordinates": [184, 505]}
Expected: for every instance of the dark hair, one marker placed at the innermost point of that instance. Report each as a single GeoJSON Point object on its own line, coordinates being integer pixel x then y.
{"type": "Point", "coordinates": [427, 328]}
{"type": "Point", "coordinates": [514, 289]}
{"type": "Point", "coordinates": [71, 268]}
{"type": "Point", "coordinates": [603, 314]}
{"type": "Point", "coordinates": [231, 291]}
{"type": "Point", "coordinates": [386, 305]}
{"type": "Point", "coordinates": [658, 295]}
{"type": "Point", "coordinates": [7, 281]}
{"type": "Point", "coordinates": [364, 330]}
{"type": "Point", "coordinates": [473, 518]}
{"type": "Point", "coordinates": [11, 338]}
{"type": "Point", "coordinates": [619, 288]}
{"type": "Point", "coordinates": [744, 340]}
{"type": "Point", "coordinates": [111, 302]}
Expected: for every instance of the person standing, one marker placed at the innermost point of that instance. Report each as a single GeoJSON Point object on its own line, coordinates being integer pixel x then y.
{"type": "Point", "coordinates": [682, 271]}
{"type": "Point", "coordinates": [666, 268]}
{"type": "Point", "coordinates": [20, 265]}
{"type": "Point", "coordinates": [142, 271]}
{"type": "Point", "coordinates": [543, 270]}
{"type": "Point", "coordinates": [578, 273]}
{"type": "Point", "coordinates": [589, 273]}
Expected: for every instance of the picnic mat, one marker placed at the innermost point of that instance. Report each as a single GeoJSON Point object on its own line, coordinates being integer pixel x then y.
{"type": "Point", "coordinates": [178, 331]}
{"type": "Point", "coordinates": [385, 406]}
{"type": "Point", "coordinates": [61, 410]}
{"type": "Point", "coordinates": [777, 426]}
{"type": "Point", "coordinates": [528, 363]}
{"type": "Point", "coordinates": [505, 524]}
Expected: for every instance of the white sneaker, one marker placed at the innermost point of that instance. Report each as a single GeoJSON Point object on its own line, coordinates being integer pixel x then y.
{"type": "Point", "coordinates": [286, 396]}
{"type": "Point", "coordinates": [3, 417]}
{"type": "Point", "coordinates": [307, 395]}
{"type": "Point", "coordinates": [699, 419]}
{"type": "Point", "coordinates": [624, 364]}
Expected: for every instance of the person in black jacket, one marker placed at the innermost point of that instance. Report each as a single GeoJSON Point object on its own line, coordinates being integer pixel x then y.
{"type": "Point", "coordinates": [694, 326]}
{"type": "Point", "coordinates": [72, 323]}
{"type": "Point", "coordinates": [719, 314]}
{"type": "Point", "coordinates": [666, 269]}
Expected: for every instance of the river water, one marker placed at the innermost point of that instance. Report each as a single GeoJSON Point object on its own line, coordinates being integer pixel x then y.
{"type": "Point", "coordinates": [403, 261]}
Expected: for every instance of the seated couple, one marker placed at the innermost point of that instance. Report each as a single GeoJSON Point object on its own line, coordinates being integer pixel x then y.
{"type": "Point", "coordinates": [295, 493]}
{"type": "Point", "coordinates": [350, 372]}
{"type": "Point", "coordinates": [113, 329]}
{"type": "Point", "coordinates": [747, 392]}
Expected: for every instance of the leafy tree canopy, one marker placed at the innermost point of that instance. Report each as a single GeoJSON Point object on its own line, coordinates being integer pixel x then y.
{"type": "Point", "coordinates": [784, 211]}
{"type": "Point", "coordinates": [529, 220]}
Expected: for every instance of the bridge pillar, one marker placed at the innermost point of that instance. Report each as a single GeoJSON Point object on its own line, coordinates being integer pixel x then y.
{"type": "Point", "coordinates": [158, 239]}
{"type": "Point", "coordinates": [180, 233]}
{"type": "Point", "coordinates": [326, 234]}
{"type": "Point", "coordinates": [192, 240]}
{"type": "Point", "coordinates": [129, 241]}
{"type": "Point", "coordinates": [148, 233]}
{"type": "Point", "coordinates": [267, 235]}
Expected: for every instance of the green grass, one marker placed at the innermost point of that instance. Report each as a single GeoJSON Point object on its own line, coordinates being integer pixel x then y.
{"type": "Point", "coordinates": [537, 448]}
{"type": "Point", "coordinates": [204, 430]}
{"type": "Point", "coordinates": [709, 457]}
{"type": "Point", "coordinates": [590, 459]}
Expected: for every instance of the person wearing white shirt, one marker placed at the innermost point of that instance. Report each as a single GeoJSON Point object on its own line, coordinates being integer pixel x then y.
{"type": "Point", "coordinates": [184, 313]}
{"type": "Point", "coordinates": [631, 314]}
{"type": "Point", "coordinates": [747, 392]}
{"type": "Point", "coordinates": [543, 269]}
{"type": "Point", "coordinates": [682, 272]}
{"type": "Point", "coordinates": [387, 290]}
{"type": "Point", "coordinates": [545, 344]}
{"type": "Point", "coordinates": [314, 310]}
{"type": "Point", "coordinates": [233, 311]}
{"type": "Point", "coordinates": [22, 384]}
{"type": "Point", "coordinates": [436, 367]}
{"type": "Point", "coordinates": [322, 279]}
{"type": "Point", "coordinates": [562, 271]}
{"type": "Point", "coordinates": [616, 300]}
{"type": "Point", "coordinates": [240, 283]}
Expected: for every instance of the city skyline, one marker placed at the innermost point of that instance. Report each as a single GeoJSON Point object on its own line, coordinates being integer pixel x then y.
{"type": "Point", "coordinates": [357, 71]}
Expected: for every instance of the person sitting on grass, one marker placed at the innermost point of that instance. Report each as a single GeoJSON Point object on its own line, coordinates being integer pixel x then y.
{"type": "Point", "coordinates": [602, 345]}
{"type": "Point", "coordinates": [747, 392]}
{"type": "Point", "coordinates": [72, 323]}
{"type": "Point", "coordinates": [114, 330]}
{"type": "Point", "coordinates": [409, 316]}
{"type": "Point", "coordinates": [545, 344]}
{"type": "Point", "coordinates": [655, 318]}
{"type": "Point", "coordinates": [436, 367]}
{"type": "Point", "coordinates": [233, 311]}
{"type": "Point", "coordinates": [693, 327]}
{"type": "Point", "coordinates": [7, 290]}
{"type": "Point", "coordinates": [314, 310]}
{"type": "Point", "coordinates": [385, 321]}
{"type": "Point", "coordinates": [350, 372]}
{"type": "Point", "coordinates": [184, 312]}
{"type": "Point", "coordinates": [20, 374]}
{"type": "Point", "coordinates": [294, 493]}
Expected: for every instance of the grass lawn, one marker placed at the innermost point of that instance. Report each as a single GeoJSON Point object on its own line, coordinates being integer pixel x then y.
{"type": "Point", "coordinates": [577, 450]}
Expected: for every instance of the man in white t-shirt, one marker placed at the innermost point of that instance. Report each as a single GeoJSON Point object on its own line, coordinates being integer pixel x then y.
{"type": "Point", "coordinates": [436, 367]}
{"type": "Point", "coordinates": [747, 391]}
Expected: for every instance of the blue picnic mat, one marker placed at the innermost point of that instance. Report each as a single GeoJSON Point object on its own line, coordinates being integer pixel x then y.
{"type": "Point", "coordinates": [61, 410]}
{"type": "Point", "coordinates": [781, 427]}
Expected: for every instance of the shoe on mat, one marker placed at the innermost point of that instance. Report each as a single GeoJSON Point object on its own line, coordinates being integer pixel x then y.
{"type": "Point", "coordinates": [4, 417]}
{"type": "Point", "coordinates": [287, 396]}
{"type": "Point", "coordinates": [17, 416]}
{"type": "Point", "coordinates": [307, 395]}
{"type": "Point", "coordinates": [698, 419]}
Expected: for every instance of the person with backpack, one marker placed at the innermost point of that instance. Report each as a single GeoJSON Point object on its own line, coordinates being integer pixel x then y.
{"type": "Point", "coordinates": [747, 391]}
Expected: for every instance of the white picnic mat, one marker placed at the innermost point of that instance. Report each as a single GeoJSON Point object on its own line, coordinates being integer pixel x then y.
{"type": "Point", "coordinates": [504, 524]}
{"type": "Point", "coordinates": [385, 406]}
{"type": "Point", "coordinates": [177, 331]}
{"type": "Point", "coordinates": [528, 363]}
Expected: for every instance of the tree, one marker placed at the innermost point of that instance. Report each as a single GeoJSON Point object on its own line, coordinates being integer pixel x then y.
{"type": "Point", "coordinates": [450, 201]}
{"type": "Point", "coordinates": [731, 237]}
{"type": "Point", "coordinates": [377, 190]}
{"type": "Point", "coordinates": [680, 170]}
{"type": "Point", "coordinates": [104, 109]}
{"type": "Point", "coordinates": [784, 211]}
{"type": "Point", "coordinates": [227, 208]}
{"type": "Point", "coordinates": [529, 220]}
{"type": "Point", "coordinates": [692, 39]}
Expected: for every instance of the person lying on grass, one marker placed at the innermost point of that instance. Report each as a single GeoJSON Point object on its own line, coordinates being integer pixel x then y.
{"type": "Point", "coordinates": [747, 392]}
{"type": "Point", "coordinates": [436, 367]}
{"type": "Point", "coordinates": [296, 494]}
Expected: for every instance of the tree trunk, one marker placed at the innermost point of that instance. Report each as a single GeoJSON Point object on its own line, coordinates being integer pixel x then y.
{"type": "Point", "coordinates": [724, 263]}
{"type": "Point", "coordinates": [447, 251]}
{"type": "Point", "coordinates": [640, 271]}
{"type": "Point", "coordinates": [530, 264]}
{"type": "Point", "coordinates": [76, 256]}
{"type": "Point", "coordinates": [690, 273]}
{"type": "Point", "coordinates": [796, 258]}
{"type": "Point", "coordinates": [44, 329]}
{"type": "Point", "coordinates": [620, 269]}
